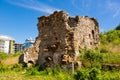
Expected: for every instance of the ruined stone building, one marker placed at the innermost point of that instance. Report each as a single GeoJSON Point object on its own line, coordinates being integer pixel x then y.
{"type": "Point", "coordinates": [60, 37]}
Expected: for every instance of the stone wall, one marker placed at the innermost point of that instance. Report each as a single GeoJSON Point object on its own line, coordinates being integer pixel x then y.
{"type": "Point", "coordinates": [62, 36]}
{"type": "Point", "coordinates": [30, 55]}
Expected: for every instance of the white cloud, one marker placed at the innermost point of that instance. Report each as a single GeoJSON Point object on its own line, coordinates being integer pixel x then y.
{"type": "Point", "coordinates": [114, 8]}
{"type": "Point", "coordinates": [83, 6]}
{"type": "Point", "coordinates": [34, 5]}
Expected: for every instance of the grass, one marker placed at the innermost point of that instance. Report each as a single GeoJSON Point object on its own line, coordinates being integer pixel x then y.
{"type": "Point", "coordinates": [11, 70]}
{"type": "Point", "coordinates": [17, 76]}
{"type": "Point", "coordinates": [110, 75]}
{"type": "Point", "coordinates": [113, 58]}
{"type": "Point", "coordinates": [16, 71]}
{"type": "Point", "coordinates": [9, 59]}
{"type": "Point", "coordinates": [33, 74]}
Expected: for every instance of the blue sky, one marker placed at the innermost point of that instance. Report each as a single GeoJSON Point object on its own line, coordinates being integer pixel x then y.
{"type": "Point", "coordinates": [18, 18]}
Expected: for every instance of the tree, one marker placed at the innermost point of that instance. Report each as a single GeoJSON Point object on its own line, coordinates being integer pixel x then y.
{"type": "Point", "coordinates": [118, 27]}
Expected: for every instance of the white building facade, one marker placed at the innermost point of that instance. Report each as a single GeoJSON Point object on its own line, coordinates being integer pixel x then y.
{"type": "Point", "coordinates": [6, 44]}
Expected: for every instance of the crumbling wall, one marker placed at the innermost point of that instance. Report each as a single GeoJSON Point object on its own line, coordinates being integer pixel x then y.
{"type": "Point", "coordinates": [30, 55]}
{"type": "Point", "coordinates": [62, 36]}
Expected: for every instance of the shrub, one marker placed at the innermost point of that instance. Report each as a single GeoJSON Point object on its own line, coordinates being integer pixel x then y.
{"type": "Point", "coordinates": [116, 41]}
{"type": "Point", "coordinates": [103, 38]}
{"type": "Point", "coordinates": [32, 70]}
{"type": "Point", "coordinates": [16, 67]}
{"type": "Point", "coordinates": [81, 74]}
{"type": "Point", "coordinates": [87, 74]}
{"type": "Point", "coordinates": [3, 68]}
{"type": "Point", "coordinates": [93, 57]}
{"type": "Point", "coordinates": [112, 36]}
{"type": "Point", "coordinates": [118, 27]}
{"type": "Point", "coordinates": [94, 74]}
{"type": "Point", "coordinates": [104, 49]}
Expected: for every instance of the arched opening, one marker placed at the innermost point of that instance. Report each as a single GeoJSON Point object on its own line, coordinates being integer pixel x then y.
{"type": "Point", "coordinates": [31, 62]}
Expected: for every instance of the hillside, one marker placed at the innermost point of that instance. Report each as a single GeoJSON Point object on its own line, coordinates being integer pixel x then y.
{"type": "Point", "coordinates": [111, 41]}
{"type": "Point", "coordinates": [103, 65]}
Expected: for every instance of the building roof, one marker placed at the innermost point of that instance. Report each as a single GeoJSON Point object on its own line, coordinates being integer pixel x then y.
{"type": "Point", "coordinates": [5, 37]}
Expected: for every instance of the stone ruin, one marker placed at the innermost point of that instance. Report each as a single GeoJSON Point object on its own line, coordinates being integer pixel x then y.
{"type": "Point", "coordinates": [30, 55]}
{"type": "Point", "coordinates": [60, 38]}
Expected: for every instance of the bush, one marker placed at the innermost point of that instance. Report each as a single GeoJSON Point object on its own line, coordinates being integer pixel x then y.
{"type": "Point", "coordinates": [16, 67]}
{"type": "Point", "coordinates": [103, 38]}
{"type": "Point", "coordinates": [116, 41]}
{"type": "Point", "coordinates": [87, 74]}
{"type": "Point", "coordinates": [112, 36]}
{"type": "Point", "coordinates": [94, 74]}
{"type": "Point", "coordinates": [32, 70]}
{"type": "Point", "coordinates": [92, 57]}
{"type": "Point", "coordinates": [118, 27]}
{"type": "Point", "coordinates": [3, 68]}
{"type": "Point", "coordinates": [81, 75]}
{"type": "Point", "coordinates": [104, 49]}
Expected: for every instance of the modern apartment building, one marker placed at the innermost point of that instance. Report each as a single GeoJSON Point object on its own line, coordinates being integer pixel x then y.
{"type": "Point", "coordinates": [7, 44]}
{"type": "Point", "coordinates": [28, 42]}
{"type": "Point", "coordinates": [18, 47]}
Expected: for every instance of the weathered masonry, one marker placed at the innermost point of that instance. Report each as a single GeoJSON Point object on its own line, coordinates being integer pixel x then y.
{"type": "Point", "coordinates": [62, 36]}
